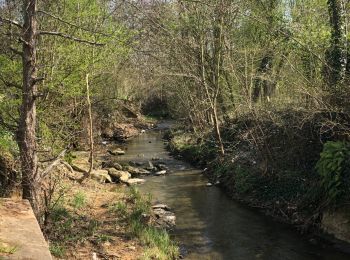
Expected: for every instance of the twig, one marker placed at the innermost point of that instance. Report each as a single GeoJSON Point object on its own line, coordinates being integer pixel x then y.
{"type": "Point", "coordinates": [53, 164]}
{"type": "Point", "coordinates": [66, 36]}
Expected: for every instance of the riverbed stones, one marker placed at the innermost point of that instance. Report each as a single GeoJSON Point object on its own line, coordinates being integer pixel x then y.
{"type": "Point", "coordinates": [161, 206]}
{"type": "Point", "coordinates": [164, 217]}
{"type": "Point", "coordinates": [209, 184]}
{"type": "Point", "coordinates": [111, 164]}
{"type": "Point", "coordinates": [101, 176]}
{"type": "Point", "coordinates": [117, 151]}
{"type": "Point", "coordinates": [150, 166]}
{"type": "Point", "coordinates": [135, 181]}
{"type": "Point", "coordinates": [118, 175]}
{"type": "Point", "coordinates": [136, 171]}
{"type": "Point", "coordinates": [80, 165]}
{"type": "Point", "coordinates": [160, 173]}
{"type": "Point", "coordinates": [133, 163]}
{"type": "Point", "coordinates": [161, 166]}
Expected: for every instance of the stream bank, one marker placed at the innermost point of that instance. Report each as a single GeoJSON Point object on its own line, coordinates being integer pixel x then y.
{"type": "Point", "coordinates": [282, 183]}
{"type": "Point", "coordinates": [209, 225]}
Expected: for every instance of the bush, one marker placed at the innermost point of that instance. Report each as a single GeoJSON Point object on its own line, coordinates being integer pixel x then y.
{"type": "Point", "coordinates": [334, 169]}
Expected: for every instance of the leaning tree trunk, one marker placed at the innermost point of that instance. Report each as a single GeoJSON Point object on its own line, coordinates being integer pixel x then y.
{"type": "Point", "coordinates": [26, 132]}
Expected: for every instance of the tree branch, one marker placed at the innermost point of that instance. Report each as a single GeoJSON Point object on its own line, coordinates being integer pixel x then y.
{"type": "Point", "coordinates": [15, 23]}
{"type": "Point", "coordinates": [72, 24]}
{"type": "Point", "coordinates": [53, 164]}
{"type": "Point", "coordinates": [66, 36]}
{"type": "Point", "coordinates": [9, 83]}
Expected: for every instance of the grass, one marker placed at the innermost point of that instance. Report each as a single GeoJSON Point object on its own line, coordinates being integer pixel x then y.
{"type": "Point", "coordinates": [57, 250]}
{"type": "Point", "coordinates": [79, 200]}
{"type": "Point", "coordinates": [157, 241]}
{"type": "Point", "coordinates": [75, 223]}
{"type": "Point", "coordinates": [70, 224]}
{"type": "Point", "coordinates": [7, 249]}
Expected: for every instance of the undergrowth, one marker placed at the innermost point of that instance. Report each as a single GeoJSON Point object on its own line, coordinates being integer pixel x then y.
{"type": "Point", "coordinates": [270, 165]}
{"type": "Point", "coordinates": [135, 212]}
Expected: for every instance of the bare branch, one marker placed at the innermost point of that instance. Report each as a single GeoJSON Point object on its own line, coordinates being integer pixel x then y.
{"type": "Point", "coordinates": [9, 21]}
{"type": "Point", "coordinates": [71, 38]}
{"type": "Point", "coordinates": [48, 169]}
{"type": "Point", "coordinates": [73, 25]}
{"type": "Point", "coordinates": [10, 84]}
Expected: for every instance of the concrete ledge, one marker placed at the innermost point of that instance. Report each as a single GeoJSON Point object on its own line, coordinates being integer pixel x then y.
{"type": "Point", "coordinates": [20, 234]}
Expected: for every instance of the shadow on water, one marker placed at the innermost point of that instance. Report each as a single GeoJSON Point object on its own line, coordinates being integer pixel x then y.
{"type": "Point", "coordinates": [212, 226]}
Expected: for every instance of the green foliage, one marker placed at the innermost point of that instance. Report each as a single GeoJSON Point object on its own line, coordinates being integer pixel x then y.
{"type": "Point", "coordinates": [245, 181]}
{"type": "Point", "coordinates": [7, 141]}
{"type": "Point", "coordinates": [158, 242]}
{"type": "Point", "coordinates": [79, 200]}
{"type": "Point", "coordinates": [68, 226]}
{"type": "Point", "coordinates": [119, 208]}
{"type": "Point", "coordinates": [333, 167]}
{"type": "Point", "coordinates": [57, 250]}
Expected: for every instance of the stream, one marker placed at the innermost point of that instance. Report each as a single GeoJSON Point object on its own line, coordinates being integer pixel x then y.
{"type": "Point", "coordinates": [210, 225]}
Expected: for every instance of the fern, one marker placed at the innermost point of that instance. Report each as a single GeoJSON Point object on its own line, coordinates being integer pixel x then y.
{"type": "Point", "coordinates": [332, 167]}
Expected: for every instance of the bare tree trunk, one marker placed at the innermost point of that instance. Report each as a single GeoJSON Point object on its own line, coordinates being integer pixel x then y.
{"type": "Point", "coordinates": [26, 136]}
{"type": "Point", "coordinates": [215, 71]}
{"type": "Point", "coordinates": [91, 137]}
{"type": "Point", "coordinates": [217, 131]}
{"type": "Point", "coordinates": [218, 61]}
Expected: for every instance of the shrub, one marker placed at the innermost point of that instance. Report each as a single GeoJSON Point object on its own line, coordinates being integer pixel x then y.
{"type": "Point", "coordinates": [333, 167]}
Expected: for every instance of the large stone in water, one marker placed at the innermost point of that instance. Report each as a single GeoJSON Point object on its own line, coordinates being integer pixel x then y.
{"type": "Point", "coordinates": [117, 151]}
{"type": "Point", "coordinates": [160, 173]}
{"type": "Point", "coordinates": [165, 218]}
{"type": "Point", "coordinates": [136, 171]}
{"type": "Point", "coordinates": [161, 206]}
{"type": "Point", "coordinates": [150, 166]}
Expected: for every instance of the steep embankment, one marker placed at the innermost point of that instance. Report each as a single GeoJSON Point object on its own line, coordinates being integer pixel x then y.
{"type": "Point", "coordinates": [270, 164]}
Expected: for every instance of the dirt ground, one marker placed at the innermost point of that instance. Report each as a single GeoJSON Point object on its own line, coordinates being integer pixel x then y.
{"type": "Point", "coordinates": [110, 239]}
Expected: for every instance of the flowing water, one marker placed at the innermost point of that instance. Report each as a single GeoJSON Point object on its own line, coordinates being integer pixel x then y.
{"type": "Point", "coordinates": [209, 225]}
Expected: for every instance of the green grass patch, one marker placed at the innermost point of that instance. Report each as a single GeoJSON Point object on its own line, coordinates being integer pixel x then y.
{"type": "Point", "coordinates": [57, 250]}
{"type": "Point", "coordinates": [69, 226]}
{"type": "Point", "coordinates": [79, 200]}
{"type": "Point", "coordinates": [158, 242]}
{"type": "Point", "coordinates": [7, 249]}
